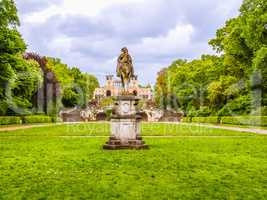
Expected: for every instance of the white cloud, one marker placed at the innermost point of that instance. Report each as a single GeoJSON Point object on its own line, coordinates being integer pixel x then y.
{"type": "Point", "coordinates": [60, 45]}
{"type": "Point", "coordinates": [176, 40]}
{"type": "Point", "coordinates": [75, 7]}
{"type": "Point", "coordinates": [90, 33]}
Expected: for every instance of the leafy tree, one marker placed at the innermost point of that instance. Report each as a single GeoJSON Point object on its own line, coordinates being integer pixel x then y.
{"type": "Point", "coordinates": [222, 84]}
{"type": "Point", "coordinates": [222, 90]}
{"type": "Point", "coordinates": [238, 106]}
{"type": "Point", "coordinates": [8, 14]}
{"type": "Point", "coordinates": [162, 89]}
{"type": "Point", "coordinates": [70, 98]}
{"type": "Point", "coordinates": [18, 77]}
{"type": "Point", "coordinates": [259, 78]}
{"type": "Point", "coordinates": [77, 87]}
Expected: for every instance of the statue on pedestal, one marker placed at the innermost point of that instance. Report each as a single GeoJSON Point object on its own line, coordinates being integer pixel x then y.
{"type": "Point", "coordinates": [125, 68]}
{"type": "Point", "coordinates": [125, 121]}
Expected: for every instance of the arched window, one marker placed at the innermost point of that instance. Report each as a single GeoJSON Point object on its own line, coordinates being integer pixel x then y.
{"type": "Point", "coordinates": [108, 93]}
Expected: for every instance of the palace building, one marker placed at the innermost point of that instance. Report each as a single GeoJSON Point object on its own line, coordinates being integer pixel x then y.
{"type": "Point", "coordinates": [113, 87]}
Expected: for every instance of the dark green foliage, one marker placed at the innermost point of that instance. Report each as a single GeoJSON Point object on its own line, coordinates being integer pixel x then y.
{"type": "Point", "coordinates": [234, 82]}
{"type": "Point", "coordinates": [18, 77]}
{"type": "Point", "coordinates": [84, 85]}
{"type": "Point", "coordinates": [240, 105]}
{"type": "Point", "coordinates": [261, 111]}
{"type": "Point", "coordinates": [21, 77]}
{"type": "Point", "coordinates": [11, 42]}
{"type": "Point", "coordinates": [77, 87]}
{"type": "Point", "coordinates": [108, 113]}
{"type": "Point", "coordinates": [203, 111]}
{"type": "Point", "coordinates": [19, 80]}
{"type": "Point", "coordinates": [10, 120]}
{"type": "Point", "coordinates": [259, 78]}
{"type": "Point", "coordinates": [70, 98]}
{"type": "Point", "coordinates": [8, 13]}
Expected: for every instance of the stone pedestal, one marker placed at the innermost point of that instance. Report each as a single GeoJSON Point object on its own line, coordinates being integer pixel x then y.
{"type": "Point", "coordinates": [125, 125]}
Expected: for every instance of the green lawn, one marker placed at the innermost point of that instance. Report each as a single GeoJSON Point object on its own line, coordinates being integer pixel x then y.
{"type": "Point", "coordinates": [38, 163]}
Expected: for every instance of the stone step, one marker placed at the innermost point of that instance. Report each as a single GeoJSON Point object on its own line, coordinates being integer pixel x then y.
{"type": "Point", "coordinates": [114, 142]}
{"type": "Point", "coordinates": [131, 142]}
{"type": "Point", "coordinates": [139, 138]}
{"type": "Point", "coordinates": [135, 142]}
{"type": "Point", "coordinates": [115, 147]}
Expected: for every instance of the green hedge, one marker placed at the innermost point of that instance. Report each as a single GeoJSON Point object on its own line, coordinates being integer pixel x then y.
{"type": "Point", "coordinates": [187, 119]}
{"type": "Point", "coordinates": [10, 120]}
{"type": "Point", "coordinates": [37, 119]}
{"type": "Point", "coordinates": [212, 120]}
{"type": "Point", "coordinates": [245, 120]}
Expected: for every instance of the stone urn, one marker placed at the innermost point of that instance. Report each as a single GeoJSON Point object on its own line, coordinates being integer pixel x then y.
{"type": "Point", "coordinates": [125, 125]}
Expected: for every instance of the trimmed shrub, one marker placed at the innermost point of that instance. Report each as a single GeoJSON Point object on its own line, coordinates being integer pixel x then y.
{"type": "Point", "coordinates": [10, 120]}
{"type": "Point", "coordinates": [245, 120]}
{"type": "Point", "coordinates": [212, 120]}
{"type": "Point", "coordinates": [186, 119]}
{"type": "Point", "coordinates": [37, 119]}
{"type": "Point", "coordinates": [108, 113]}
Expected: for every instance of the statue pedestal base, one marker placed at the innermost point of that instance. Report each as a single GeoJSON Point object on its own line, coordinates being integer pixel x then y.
{"type": "Point", "coordinates": [125, 125]}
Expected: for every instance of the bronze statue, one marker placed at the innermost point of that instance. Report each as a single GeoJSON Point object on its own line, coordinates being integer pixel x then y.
{"type": "Point", "coordinates": [125, 68]}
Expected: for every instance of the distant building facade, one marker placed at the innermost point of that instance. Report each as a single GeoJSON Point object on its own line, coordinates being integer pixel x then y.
{"type": "Point", "coordinates": [113, 88]}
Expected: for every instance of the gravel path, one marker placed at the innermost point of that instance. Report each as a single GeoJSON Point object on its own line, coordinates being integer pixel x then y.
{"type": "Point", "coordinates": [13, 128]}
{"type": "Point", "coordinates": [248, 130]}
{"type": "Point", "coordinates": [161, 136]}
{"type": "Point", "coordinates": [19, 127]}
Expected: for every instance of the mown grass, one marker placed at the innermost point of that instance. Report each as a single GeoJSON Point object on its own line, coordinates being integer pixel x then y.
{"type": "Point", "coordinates": [36, 164]}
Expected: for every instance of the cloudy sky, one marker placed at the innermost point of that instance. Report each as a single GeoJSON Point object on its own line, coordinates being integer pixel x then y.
{"type": "Point", "coordinates": [90, 33]}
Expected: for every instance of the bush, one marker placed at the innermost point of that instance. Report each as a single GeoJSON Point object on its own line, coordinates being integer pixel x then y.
{"type": "Point", "coordinates": [203, 111]}
{"type": "Point", "coordinates": [10, 120]}
{"type": "Point", "coordinates": [37, 119]}
{"type": "Point", "coordinates": [245, 120]}
{"type": "Point", "coordinates": [108, 113]}
{"type": "Point", "coordinates": [261, 111]}
{"type": "Point", "coordinates": [212, 120]}
{"type": "Point", "coordinates": [238, 106]}
{"type": "Point", "coordinates": [106, 102]}
{"type": "Point", "coordinates": [186, 119]}
{"type": "Point", "coordinates": [191, 113]}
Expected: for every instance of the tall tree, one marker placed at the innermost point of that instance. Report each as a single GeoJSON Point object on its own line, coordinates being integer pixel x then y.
{"type": "Point", "coordinates": [229, 83]}
{"type": "Point", "coordinates": [8, 14]}
{"type": "Point", "coordinates": [18, 77]}
{"type": "Point", "coordinates": [77, 87]}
